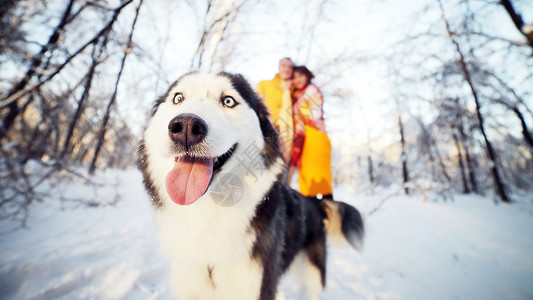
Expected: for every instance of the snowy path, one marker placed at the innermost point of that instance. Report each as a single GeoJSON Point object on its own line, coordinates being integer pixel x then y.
{"type": "Point", "coordinates": [466, 249]}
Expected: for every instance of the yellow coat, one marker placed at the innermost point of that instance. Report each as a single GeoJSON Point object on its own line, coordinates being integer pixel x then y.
{"type": "Point", "coordinates": [279, 103]}
{"type": "Point", "coordinates": [314, 172]}
{"type": "Point", "coordinates": [271, 90]}
{"type": "Point", "coordinates": [314, 158]}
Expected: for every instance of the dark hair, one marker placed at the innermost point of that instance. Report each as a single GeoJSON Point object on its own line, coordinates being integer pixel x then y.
{"type": "Point", "coordinates": [304, 70]}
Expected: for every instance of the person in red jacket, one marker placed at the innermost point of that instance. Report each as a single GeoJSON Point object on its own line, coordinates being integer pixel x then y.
{"type": "Point", "coordinates": [311, 147]}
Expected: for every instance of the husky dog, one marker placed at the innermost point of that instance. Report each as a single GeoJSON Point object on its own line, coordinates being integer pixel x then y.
{"type": "Point", "coordinates": [229, 224]}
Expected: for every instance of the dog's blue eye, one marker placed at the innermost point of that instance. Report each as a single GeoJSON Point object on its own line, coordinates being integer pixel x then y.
{"type": "Point", "coordinates": [229, 102]}
{"type": "Point", "coordinates": [178, 98]}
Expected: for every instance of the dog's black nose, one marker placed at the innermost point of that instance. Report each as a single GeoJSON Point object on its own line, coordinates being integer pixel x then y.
{"type": "Point", "coordinates": [187, 130]}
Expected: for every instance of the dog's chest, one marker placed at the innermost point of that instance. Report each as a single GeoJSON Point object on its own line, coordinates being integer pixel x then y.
{"type": "Point", "coordinates": [209, 235]}
{"type": "Point", "coordinates": [237, 280]}
{"type": "Point", "coordinates": [210, 251]}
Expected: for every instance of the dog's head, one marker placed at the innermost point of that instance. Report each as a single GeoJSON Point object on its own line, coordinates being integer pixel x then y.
{"type": "Point", "coordinates": [205, 123]}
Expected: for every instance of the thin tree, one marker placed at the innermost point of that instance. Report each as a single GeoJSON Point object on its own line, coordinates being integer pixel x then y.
{"type": "Point", "coordinates": [466, 188]}
{"type": "Point", "coordinates": [405, 171]}
{"type": "Point", "coordinates": [103, 128]}
{"type": "Point", "coordinates": [500, 187]}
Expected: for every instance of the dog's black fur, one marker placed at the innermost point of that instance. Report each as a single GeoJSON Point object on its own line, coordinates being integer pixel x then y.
{"type": "Point", "coordinates": [285, 222]}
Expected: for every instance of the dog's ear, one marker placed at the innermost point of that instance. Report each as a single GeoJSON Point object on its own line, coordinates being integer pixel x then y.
{"type": "Point", "coordinates": [271, 151]}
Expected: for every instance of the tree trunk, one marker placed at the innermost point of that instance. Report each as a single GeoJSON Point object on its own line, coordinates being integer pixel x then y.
{"type": "Point", "coordinates": [466, 189]}
{"type": "Point", "coordinates": [405, 171]}
{"type": "Point", "coordinates": [470, 163]}
{"type": "Point", "coordinates": [371, 176]}
{"type": "Point", "coordinates": [500, 187]}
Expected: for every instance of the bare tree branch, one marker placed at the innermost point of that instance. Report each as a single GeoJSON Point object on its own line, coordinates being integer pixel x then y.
{"type": "Point", "coordinates": [526, 31]}
{"type": "Point", "coordinates": [103, 128]}
{"type": "Point", "coordinates": [14, 97]}
{"type": "Point", "coordinates": [500, 187]}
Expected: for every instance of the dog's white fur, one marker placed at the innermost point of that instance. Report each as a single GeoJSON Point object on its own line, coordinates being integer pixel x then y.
{"type": "Point", "coordinates": [204, 234]}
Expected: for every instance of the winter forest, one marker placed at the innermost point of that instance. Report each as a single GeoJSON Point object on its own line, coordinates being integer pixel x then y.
{"type": "Point", "coordinates": [428, 105]}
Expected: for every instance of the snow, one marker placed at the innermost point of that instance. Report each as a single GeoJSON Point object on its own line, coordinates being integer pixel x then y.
{"type": "Point", "coordinates": [469, 248]}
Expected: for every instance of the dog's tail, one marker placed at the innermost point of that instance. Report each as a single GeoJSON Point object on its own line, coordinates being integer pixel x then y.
{"type": "Point", "coordinates": [343, 223]}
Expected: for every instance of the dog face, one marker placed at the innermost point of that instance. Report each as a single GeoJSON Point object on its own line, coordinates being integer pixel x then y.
{"type": "Point", "coordinates": [201, 126]}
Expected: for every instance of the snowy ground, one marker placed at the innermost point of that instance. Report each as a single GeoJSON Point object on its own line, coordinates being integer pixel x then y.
{"type": "Point", "coordinates": [466, 249]}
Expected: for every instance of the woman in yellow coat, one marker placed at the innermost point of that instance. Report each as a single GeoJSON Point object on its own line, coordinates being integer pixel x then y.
{"type": "Point", "coordinates": [311, 148]}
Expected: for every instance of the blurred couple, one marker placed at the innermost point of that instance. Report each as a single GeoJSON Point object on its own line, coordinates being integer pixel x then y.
{"type": "Point", "coordinates": [295, 105]}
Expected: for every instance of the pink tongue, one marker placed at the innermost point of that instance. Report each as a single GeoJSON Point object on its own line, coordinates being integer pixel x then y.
{"type": "Point", "coordinates": [189, 179]}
